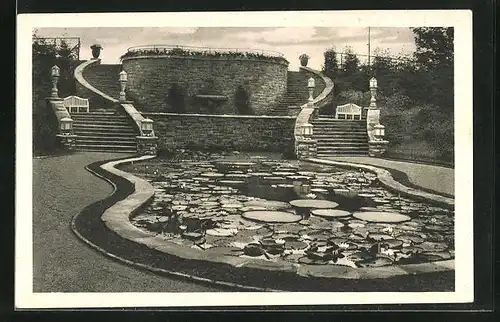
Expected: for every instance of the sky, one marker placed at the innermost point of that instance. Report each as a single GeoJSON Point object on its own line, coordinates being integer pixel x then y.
{"type": "Point", "coordinates": [290, 41]}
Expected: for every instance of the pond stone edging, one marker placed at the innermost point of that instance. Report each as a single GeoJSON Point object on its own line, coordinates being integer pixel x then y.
{"type": "Point", "coordinates": [386, 179]}
{"type": "Point", "coordinates": [117, 219]}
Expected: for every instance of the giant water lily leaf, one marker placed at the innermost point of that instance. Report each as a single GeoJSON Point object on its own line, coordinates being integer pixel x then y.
{"type": "Point", "coordinates": [381, 216]}
{"type": "Point", "coordinates": [267, 204]}
{"type": "Point", "coordinates": [221, 232]}
{"type": "Point", "coordinates": [313, 203]}
{"type": "Point", "coordinates": [330, 213]}
{"type": "Point", "coordinates": [272, 216]}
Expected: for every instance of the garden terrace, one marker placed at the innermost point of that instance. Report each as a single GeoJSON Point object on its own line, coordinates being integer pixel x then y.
{"type": "Point", "coordinates": [191, 51]}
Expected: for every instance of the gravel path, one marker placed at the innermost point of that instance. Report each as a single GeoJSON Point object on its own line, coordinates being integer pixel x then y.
{"type": "Point", "coordinates": [61, 262]}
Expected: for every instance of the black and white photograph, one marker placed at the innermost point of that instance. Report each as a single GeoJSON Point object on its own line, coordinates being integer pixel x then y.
{"type": "Point", "coordinates": [250, 158]}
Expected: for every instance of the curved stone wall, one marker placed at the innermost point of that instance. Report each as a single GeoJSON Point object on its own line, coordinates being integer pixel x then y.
{"type": "Point", "coordinates": [151, 77]}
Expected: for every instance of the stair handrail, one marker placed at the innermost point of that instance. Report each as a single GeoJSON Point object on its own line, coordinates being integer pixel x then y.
{"type": "Point", "coordinates": [129, 107]}
{"type": "Point", "coordinates": [309, 109]}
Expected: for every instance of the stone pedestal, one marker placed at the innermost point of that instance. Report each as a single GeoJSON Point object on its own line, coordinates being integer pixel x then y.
{"type": "Point", "coordinates": [147, 145]}
{"type": "Point", "coordinates": [306, 148]}
{"type": "Point", "coordinates": [67, 141]}
{"type": "Point", "coordinates": [377, 148]}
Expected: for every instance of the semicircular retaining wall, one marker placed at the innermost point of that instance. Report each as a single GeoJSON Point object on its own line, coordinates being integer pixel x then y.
{"type": "Point", "coordinates": [151, 77]}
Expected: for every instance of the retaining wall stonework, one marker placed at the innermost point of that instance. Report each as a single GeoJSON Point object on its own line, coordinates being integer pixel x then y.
{"type": "Point", "coordinates": [151, 77]}
{"type": "Point", "coordinates": [226, 132]}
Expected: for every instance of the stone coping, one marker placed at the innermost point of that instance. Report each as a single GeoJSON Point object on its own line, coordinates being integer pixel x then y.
{"type": "Point", "coordinates": [80, 79]}
{"type": "Point", "coordinates": [117, 218]}
{"type": "Point", "coordinates": [385, 177]}
{"type": "Point", "coordinates": [128, 106]}
{"type": "Point", "coordinates": [308, 109]}
{"type": "Point", "coordinates": [269, 61]}
{"type": "Point", "coordinates": [219, 115]}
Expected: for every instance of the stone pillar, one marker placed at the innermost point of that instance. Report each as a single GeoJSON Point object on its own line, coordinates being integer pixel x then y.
{"type": "Point", "coordinates": [147, 145]}
{"type": "Point", "coordinates": [123, 85]}
{"type": "Point", "coordinates": [54, 75]}
{"type": "Point", "coordinates": [311, 84]}
{"type": "Point", "coordinates": [377, 146]}
{"type": "Point", "coordinates": [67, 141]}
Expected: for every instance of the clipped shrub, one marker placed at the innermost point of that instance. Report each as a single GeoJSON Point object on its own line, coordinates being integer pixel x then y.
{"type": "Point", "coordinates": [176, 100]}
{"type": "Point", "coordinates": [242, 101]}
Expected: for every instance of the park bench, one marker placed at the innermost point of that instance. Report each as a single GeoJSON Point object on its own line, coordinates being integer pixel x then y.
{"type": "Point", "coordinates": [348, 111]}
{"type": "Point", "coordinates": [75, 102]}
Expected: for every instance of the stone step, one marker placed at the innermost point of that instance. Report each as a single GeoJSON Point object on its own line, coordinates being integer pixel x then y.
{"type": "Point", "coordinates": [109, 146]}
{"type": "Point", "coordinates": [105, 138]}
{"type": "Point", "coordinates": [340, 154]}
{"type": "Point", "coordinates": [114, 149]}
{"type": "Point", "coordinates": [106, 133]}
{"type": "Point", "coordinates": [341, 139]}
{"type": "Point", "coordinates": [101, 122]}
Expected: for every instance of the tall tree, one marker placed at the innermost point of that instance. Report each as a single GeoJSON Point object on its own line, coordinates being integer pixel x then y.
{"type": "Point", "coordinates": [434, 46]}
{"type": "Point", "coordinates": [350, 62]}
{"type": "Point", "coordinates": [434, 55]}
{"type": "Point", "coordinates": [331, 66]}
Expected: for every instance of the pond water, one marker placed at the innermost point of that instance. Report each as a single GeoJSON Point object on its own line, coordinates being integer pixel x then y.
{"type": "Point", "coordinates": [299, 212]}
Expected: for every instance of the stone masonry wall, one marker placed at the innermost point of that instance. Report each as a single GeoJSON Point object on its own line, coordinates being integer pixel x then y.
{"type": "Point", "coordinates": [150, 78]}
{"type": "Point", "coordinates": [239, 133]}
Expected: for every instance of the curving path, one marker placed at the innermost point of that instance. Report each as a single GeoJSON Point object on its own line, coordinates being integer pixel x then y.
{"type": "Point", "coordinates": [433, 177]}
{"type": "Point", "coordinates": [61, 262]}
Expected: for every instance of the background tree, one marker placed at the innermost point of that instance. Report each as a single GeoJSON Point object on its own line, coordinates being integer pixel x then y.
{"type": "Point", "coordinates": [46, 54]}
{"type": "Point", "coordinates": [350, 63]}
{"type": "Point", "coordinates": [331, 64]}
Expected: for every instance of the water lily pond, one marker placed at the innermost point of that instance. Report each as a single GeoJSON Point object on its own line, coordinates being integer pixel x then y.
{"type": "Point", "coordinates": [304, 213]}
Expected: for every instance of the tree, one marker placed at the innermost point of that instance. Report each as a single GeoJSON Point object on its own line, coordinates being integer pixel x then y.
{"type": "Point", "coordinates": [434, 55]}
{"type": "Point", "coordinates": [434, 46]}
{"type": "Point", "coordinates": [331, 66]}
{"type": "Point", "coordinates": [46, 54]}
{"type": "Point", "coordinates": [350, 62]}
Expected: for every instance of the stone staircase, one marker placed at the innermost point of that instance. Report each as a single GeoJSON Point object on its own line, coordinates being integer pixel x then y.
{"type": "Point", "coordinates": [340, 137]}
{"type": "Point", "coordinates": [297, 92]}
{"type": "Point", "coordinates": [104, 130]}
{"type": "Point", "coordinates": [106, 127]}
{"type": "Point", "coordinates": [104, 78]}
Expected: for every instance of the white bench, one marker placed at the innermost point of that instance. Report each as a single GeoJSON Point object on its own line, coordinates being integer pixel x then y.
{"type": "Point", "coordinates": [72, 102]}
{"type": "Point", "coordinates": [348, 111]}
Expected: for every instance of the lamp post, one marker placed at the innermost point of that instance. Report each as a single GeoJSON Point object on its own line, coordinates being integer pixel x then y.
{"type": "Point", "coordinates": [310, 86]}
{"type": "Point", "coordinates": [379, 132]}
{"type": "Point", "coordinates": [54, 74]}
{"type": "Point", "coordinates": [373, 91]}
{"type": "Point", "coordinates": [147, 126]}
{"type": "Point", "coordinates": [66, 125]}
{"type": "Point", "coordinates": [123, 84]}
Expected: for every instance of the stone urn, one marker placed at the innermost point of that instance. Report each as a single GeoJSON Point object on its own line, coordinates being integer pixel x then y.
{"type": "Point", "coordinates": [96, 50]}
{"type": "Point", "coordinates": [304, 59]}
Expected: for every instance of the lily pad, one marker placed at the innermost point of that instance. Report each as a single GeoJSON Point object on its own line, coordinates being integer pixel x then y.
{"type": "Point", "coordinates": [221, 250]}
{"type": "Point", "coordinates": [433, 256]}
{"type": "Point", "coordinates": [253, 250]}
{"type": "Point", "coordinates": [381, 216]}
{"type": "Point", "coordinates": [221, 232]}
{"type": "Point", "coordinates": [192, 235]}
{"type": "Point", "coordinates": [392, 243]}
{"type": "Point", "coordinates": [376, 262]}
{"type": "Point", "coordinates": [295, 244]}
{"type": "Point", "coordinates": [271, 216]}
{"type": "Point", "coordinates": [212, 175]}
{"type": "Point", "coordinates": [267, 204]}
{"type": "Point", "coordinates": [309, 261]}
{"type": "Point", "coordinates": [433, 246]}
{"type": "Point", "coordinates": [313, 204]}
{"type": "Point", "coordinates": [414, 239]}
{"type": "Point", "coordinates": [379, 237]}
